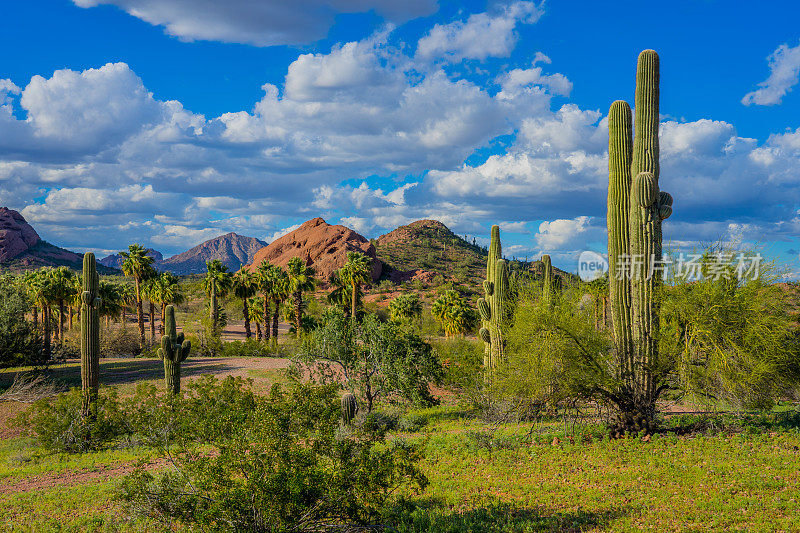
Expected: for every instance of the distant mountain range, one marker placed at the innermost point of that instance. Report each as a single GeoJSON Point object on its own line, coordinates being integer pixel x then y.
{"type": "Point", "coordinates": [421, 250]}
{"type": "Point", "coordinates": [232, 249]}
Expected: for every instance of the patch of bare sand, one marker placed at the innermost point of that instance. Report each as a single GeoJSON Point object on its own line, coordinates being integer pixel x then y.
{"type": "Point", "coordinates": [75, 477]}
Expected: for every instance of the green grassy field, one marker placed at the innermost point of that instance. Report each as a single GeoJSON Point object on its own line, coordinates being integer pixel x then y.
{"type": "Point", "coordinates": [484, 478]}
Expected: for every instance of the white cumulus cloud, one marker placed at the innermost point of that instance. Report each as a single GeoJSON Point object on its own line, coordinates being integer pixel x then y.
{"type": "Point", "coordinates": [784, 66]}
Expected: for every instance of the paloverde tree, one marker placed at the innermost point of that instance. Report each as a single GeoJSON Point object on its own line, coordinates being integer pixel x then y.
{"type": "Point", "coordinates": [371, 359]}
{"type": "Point", "coordinates": [244, 288]}
{"type": "Point", "coordinates": [138, 266]}
{"type": "Point", "coordinates": [301, 279]}
{"type": "Point", "coordinates": [217, 282]}
{"type": "Point", "coordinates": [356, 272]}
{"type": "Point", "coordinates": [453, 312]}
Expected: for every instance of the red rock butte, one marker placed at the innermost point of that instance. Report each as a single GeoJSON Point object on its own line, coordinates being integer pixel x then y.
{"type": "Point", "coordinates": [323, 246]}
{"type": "Point", "coordinates": [16, 235]}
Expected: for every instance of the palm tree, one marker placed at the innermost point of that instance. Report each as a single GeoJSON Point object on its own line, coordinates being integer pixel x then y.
{"type": "Point", "coordinates": [76, 299]}
{"type": "Point", "coordinates": [62, 291]}
{"type": "Point", "coordinates": [111, 299]}
{"type": "Point", "coordinates": [244, 287]}
{"type": "Point", "coordinates": [127, 297]}
{"type": "Point", "coordinates": [139, 266]}
{"type": "Point", "coordinates": [164, 290]}
{"type": "Point", "coordinates": [356, 271]}
{"type": "Point", "coordinates": [255, 314]}
{"type": "Point", "coordinates": [280, 292]}
{"type": "Point", "coordinates": [217, 283]}
{"type": "Point", "coordinates": [148, 290]}
{"type": "Point", "coordinates": [265, 278]}
{"type": "Point", "coordinates": [301, 279]}
{"type": "Point", "coordinates": [30, 279]}
{"type": "Point", "coordinates": [40, 287]}
{"type": "Point", "coordinates": [405, 307]}
{"type": "Point", "coordinates": [453, 313]}
{"type": "Point", "coordinates": [340, 295]}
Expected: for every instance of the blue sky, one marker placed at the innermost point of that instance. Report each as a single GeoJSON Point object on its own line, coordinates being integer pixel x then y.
{"type": "Point", "coordinates": [132, 120]}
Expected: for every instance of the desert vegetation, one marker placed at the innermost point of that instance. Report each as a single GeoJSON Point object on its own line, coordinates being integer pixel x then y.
{"type": "Point", "coordinates": [518, 398]}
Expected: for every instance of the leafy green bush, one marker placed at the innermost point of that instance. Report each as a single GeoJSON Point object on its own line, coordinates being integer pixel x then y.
{"type": "Point", "coordinates": [246, 348]}
{"type": "Point", "coordinates": [58, 425]}
{"type": "Point", "coordinates": [277, 463]}
{"type": "Point", "coordinates": [119, 340]}
{"type": "Point", "coordinates": [373, 360]}
{"type": "Point", "coordinates": [18, 344]}
{"type": "Point", "coordinates": [462, 360]}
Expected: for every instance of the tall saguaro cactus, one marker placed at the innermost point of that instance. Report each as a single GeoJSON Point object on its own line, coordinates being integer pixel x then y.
{"type": "Point", "coordinates": [493, 307]}
{"type": "Point", "coordinates": [636, 208]}
{"type": "Point", "coordinates": [174, 350]}
{"type": "Point", "coordinates": [90, 335]}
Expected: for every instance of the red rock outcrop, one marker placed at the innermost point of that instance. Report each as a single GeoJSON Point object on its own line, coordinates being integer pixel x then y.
{"type": "Point", "coordinates": [16, 235]}
{"type": "Point", "coordinates": [322, 245]}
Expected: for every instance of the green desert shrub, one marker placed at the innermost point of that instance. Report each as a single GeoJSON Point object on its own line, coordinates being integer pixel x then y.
{"type": "Point", "coordinates": [462, 360]}
{"type": "Point", "coordinates": [280, 462]}
{"type": "Point", "coordinates": [18, 344]}
{"type": "Point", "coordinates": [58, 425]}
{"type": "Point", "coordinates": [374, 360]}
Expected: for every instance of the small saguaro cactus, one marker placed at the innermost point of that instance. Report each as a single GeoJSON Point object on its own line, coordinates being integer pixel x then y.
{"type": "Point", "coordinates": [349, 408]}
{"type": "Point", "coordinates": [174, 350]}
{"type": "Point", "coordinates": [90, 335]}
{"type": "Point", "coordinates": [636, 208]}
{"type": "Point", "coordinates": [547, 278]}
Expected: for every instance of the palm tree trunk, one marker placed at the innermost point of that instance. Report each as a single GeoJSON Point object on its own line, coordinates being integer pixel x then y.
{"type": "Point", "coordinates": [70, 317]}
{"type": "Point", "coordinates": [298, 311]}
{"type": "Point", "coordinates": [61, 321]}
{"type": "Point", "coordinates": [266, 317]}
{"type": "Point", "coordinates": [214, 312]}
{"type": "Point", "coordinates": [353, 301]}
{"type": "Point", "coordinates": [163, 317]}
{"type": "Point", "coordinates": [36, 320]}
{"type": "Point", "coordinates": [46, 320]}
{"type": "Point", "coordinates": [152, 323]}
{"type": "Point", "coordinates": [246, 313]}
{"type": "Point", "coordinates": [258, 331]}
{"type": "Point", "coordinates": [139, 315]}
{"type": "Point", "coordinates": [275, 323]}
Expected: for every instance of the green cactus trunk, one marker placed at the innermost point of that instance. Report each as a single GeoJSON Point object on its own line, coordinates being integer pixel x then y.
{"type": "Point", "coordinates": [172, 376]}
{"type": "Point", "coordinates": [499, 312]}
{"type": "Point", "coordinates": [495, 253]}
{"type": "Point", "coordinates": [635, 257]}
{"type": "Point", "coordinates": [174, 350]}
{"type": "Point", "coordinates": [90, 336]}
{"type": "Point", "coordinates": [349, 408]}
{"type": "Point", "coordinates": [620, 152]}
{"type": "Point", "coordinates": [547, 279]}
